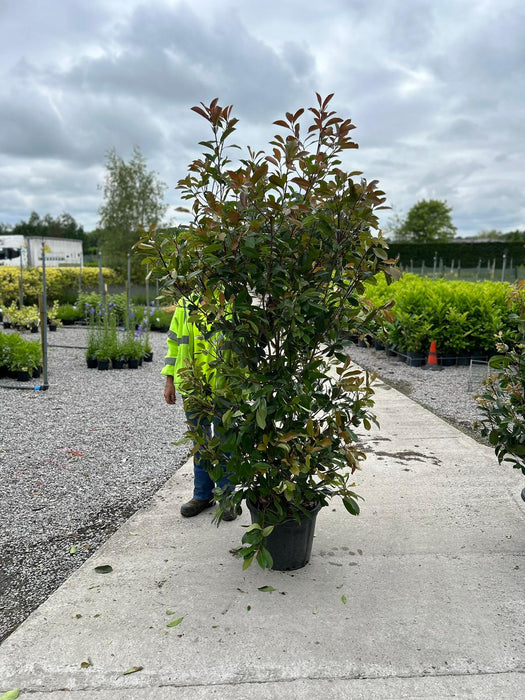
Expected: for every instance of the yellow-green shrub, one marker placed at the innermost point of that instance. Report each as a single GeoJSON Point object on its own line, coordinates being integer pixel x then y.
{"type": "Point", "coordinates": [62, 282]}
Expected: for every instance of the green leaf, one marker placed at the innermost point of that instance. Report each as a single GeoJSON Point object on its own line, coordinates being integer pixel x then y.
{"type": "Point", "coordinates": [133, 669]}
{"type": "Point", "coordinates": [247, 562]}
{"type": "Point", "coordinates": [264, 559]}
{"type": "Point", "coordinates": [104, 569]}
{"type": "Point", "coordinates": [343, 598]}
{"type": "Point", "coordinates": [10, 695]}
{"type": "Point", "coordinates": [73, 550]}
{"type": "Point", "coordinates": [266, 589]}
{"type": "Point", "coordinates": [351, 506]}
{"type": "Point", "coordinates": [260, 416]}
{"type": "Point", "coordinates": [170, 612]}
{"type": "Point", "coordinates": [176, 622]}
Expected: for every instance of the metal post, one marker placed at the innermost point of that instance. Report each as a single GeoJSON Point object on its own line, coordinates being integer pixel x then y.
{"type": "Point", "coordinates": [43, 318]}
{"type": "Point", "coordinates": [504, 265]}
{"type": "Point", "coordinates": [21, 280]}
{"type": "Point", "coordinates": [147, 285]}
{"type": "Point", "coordinates": [435, 264]}
{"type": "Point", "coordinates": [128, 324]}
{"type": "Point", "coordinates": [100, 277]}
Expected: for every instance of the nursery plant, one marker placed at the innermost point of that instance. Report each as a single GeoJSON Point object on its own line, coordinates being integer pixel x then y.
{"type": "Point", "coordinates": [503, 399]}
{"type": "Point", "coordinates": [53, 315]}
{"type": "Point", "coordinates": [26, 317]}
{"type": "Point", "coordinates": [273, 266]}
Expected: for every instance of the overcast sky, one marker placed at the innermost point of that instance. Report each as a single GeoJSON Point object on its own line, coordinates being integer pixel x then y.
{"type": "Point", "coordinates": [436, 89]}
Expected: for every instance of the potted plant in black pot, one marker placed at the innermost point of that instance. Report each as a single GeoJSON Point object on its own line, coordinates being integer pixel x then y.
{"type": "Point", "coordinates": [273, 266]}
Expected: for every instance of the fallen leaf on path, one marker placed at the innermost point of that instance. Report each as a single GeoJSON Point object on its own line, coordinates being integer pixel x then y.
{"type": "Point", "coordinates": [10, 695]}
{"type": "Point", "coordinates": [176, 622]}
{"type": "Point", "coordinates": [104, 569]}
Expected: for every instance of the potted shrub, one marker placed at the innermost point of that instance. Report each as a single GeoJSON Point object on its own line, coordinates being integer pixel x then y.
{"type": "Point", "coordinates": [132, 349]}
{"type": "Point", "coordinates": [26, 357]}
{"type": "Point", "coordinates": [68, 314]}
{"type": "Point", "coordinates": [415, 332]}
{"type": "Point", "coordinates": [25, 318]}
{"type": "Point", "coordinates": [53, 316]}
{"type": "Point", "coordinates": [503, 398]}
{"type": "Point", "coordinates": [273, 266]}
{"type": "Point", "coordinates": [91, 349]}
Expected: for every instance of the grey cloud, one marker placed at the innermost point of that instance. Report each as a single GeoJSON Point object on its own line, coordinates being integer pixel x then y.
{"type": "Point", "coordinates": [36, 132]}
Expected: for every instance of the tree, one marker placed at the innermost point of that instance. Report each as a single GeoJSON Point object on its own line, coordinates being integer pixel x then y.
{"type": "Point", "coordinates": [133, 200]}
{"type": "Point", "coordinates": [63, 226]}
{"type": "Point", "coordinates": [429, 221]}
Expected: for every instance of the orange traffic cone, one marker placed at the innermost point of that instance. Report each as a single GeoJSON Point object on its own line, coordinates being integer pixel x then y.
{"type": "Point", "coordinates": [432, 362]}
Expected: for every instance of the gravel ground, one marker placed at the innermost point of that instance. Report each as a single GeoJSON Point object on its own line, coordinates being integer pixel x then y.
{"type": "Point", "coordinates": [449, 393]}
{"type": "Point", "coordinates": [77, 460]}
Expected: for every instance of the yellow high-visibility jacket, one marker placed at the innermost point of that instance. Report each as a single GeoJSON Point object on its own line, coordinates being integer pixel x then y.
{"type": "Point", "coordinates": [185, 345]}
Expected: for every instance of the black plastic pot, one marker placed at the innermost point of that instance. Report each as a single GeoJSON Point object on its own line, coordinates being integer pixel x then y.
{"type": "Point", "coordinates": [23, 376]}
{"type": "Point", "coordinates": [415, 359]}
{"type": "Point", "coordinates": [103, 364]}
{"type": "Point", "coordinates": [91, 362]}
{"type": "Point", "coordinates": [290, 544]}
{"type": "Point", "coordinates": [117, 364]}
{"type": "Point", "coordinates": [133, 363]}
{"type": "Point", "coordinates": [148, 357]}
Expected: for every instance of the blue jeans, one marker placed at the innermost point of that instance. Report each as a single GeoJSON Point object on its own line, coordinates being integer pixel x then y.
{"type": "Point", "coordinates": [203, 484]}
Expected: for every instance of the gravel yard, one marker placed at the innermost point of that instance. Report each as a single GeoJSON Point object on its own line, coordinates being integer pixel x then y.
{"type": "Point", "coordinates": [77, 460]}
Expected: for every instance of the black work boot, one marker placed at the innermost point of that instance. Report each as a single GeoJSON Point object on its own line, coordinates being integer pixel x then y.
{"type": "Point", "coordinates": [195, 506]}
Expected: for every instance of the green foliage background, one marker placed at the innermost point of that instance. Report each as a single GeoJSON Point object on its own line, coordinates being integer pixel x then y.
{"type": "Point", "coordinates": [469, 254]}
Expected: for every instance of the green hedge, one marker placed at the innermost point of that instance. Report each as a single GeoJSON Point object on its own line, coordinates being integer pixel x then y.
{"type": "Point", "coordinates": [468, 254]}
{"type": "Point", "coordinates": [460, 316]}
{"type": "Point", "coordinates": [62, 283]}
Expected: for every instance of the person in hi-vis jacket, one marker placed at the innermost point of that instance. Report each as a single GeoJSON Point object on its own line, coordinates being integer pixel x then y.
{"type": "Point", "coordinates": [185, 343]}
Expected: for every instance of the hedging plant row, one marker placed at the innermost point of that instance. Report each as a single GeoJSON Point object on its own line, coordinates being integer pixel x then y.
{"type": "Point", "coordinates": [463, 318]}
{"type": "Point", "coordinates": [61, 282]}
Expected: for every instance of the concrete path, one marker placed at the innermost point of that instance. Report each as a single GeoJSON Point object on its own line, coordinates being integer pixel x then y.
{"type": "Point", "coordinates": [421, 596]}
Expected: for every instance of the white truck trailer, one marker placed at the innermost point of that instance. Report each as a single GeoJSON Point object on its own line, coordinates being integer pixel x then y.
{"type": "Point", "coordinates": [16, 250]}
